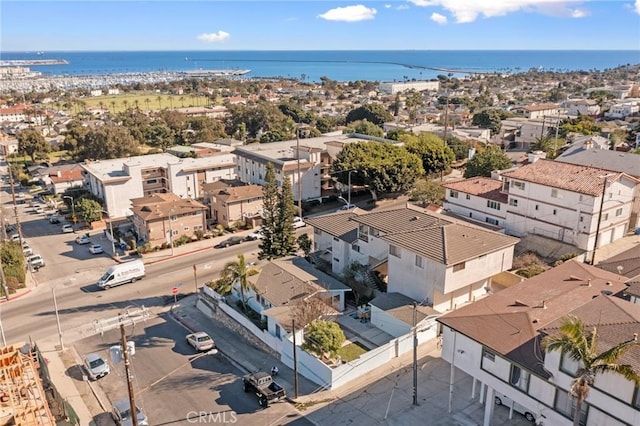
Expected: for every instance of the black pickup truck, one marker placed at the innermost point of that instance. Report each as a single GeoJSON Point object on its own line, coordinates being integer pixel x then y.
{"type": "Point", "coordinates": [264, 387]}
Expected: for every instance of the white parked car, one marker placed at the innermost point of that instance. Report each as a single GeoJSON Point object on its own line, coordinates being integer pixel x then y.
{"type": "Point", "coordinates": [67, 228]}
{"type": "Point", "coordinates": [96, 366]}
{"type": "Point", "coordinates": [95, 249]}
{"type": "Point", "coordinates": [346, 207]}
{"type": "Point", "coordinates": [298, 222]}
{"type": "Point", "coordinates": [28, 251]}
{"type": "Point", "coordinates": [36, 261]}
{"type": "Point", "coordinates": [122, 414]}
{"type": "Point", "coordinates": [82, 239]}
{"type": "Point", "coordinates": [501, 399]}
{"type": "Point", "coordinates": [200, 341]}
{"type": "Point", "coordinates": [256, 235]}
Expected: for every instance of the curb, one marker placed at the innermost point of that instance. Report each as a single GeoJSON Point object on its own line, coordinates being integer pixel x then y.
{"type": "Point", "coordinates": [175, 256]}
{"type": "Point", "coordinates": [16, 296]}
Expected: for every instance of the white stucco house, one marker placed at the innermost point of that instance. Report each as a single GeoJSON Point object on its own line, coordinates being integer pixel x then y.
{"type": "Point", "coordinates": [433, 259]}
{"type": "Point", "coordinates": [571, 203]}
{"type": "Point", "coordinates": [498, 343]}
{"type": "Point", "coordinates": [283, 283]}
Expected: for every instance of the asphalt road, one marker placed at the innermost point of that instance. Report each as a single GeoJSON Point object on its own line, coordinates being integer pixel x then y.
{"type": "Point", "coordinates": [176, 386]}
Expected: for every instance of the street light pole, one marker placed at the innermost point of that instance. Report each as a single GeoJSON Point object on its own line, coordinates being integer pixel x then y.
{"type": "Point", "coordinates": [299, 176]}
{"type": "Point", "coordinates": [415, 354]}
{"type": "Point", "coordinates": [73, 211]}
{"type": "Point", "coordinates": [55, 305]}
{"type": "Point", "coordinates": [113, 238]}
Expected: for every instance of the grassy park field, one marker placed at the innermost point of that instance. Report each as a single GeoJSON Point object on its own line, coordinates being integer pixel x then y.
{"type": "Point", "coordinates": [146, 101]}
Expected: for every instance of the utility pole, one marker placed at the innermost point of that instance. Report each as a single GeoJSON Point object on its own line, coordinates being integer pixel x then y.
{"type": "Point", "coordinates": [125, 352]}
{"type": "Point", "coordinates": [15, 206]}
{"type": "Point", "coordinates": [4, 281]}
{"type": "Point", "coordinates": [195, 276]}
{"type": "Point", "coordinates": [295, 359]}
{"type": "Point", "coordinates": [415, 354]}
{"type": "Point", "coordinates": [446, 119]}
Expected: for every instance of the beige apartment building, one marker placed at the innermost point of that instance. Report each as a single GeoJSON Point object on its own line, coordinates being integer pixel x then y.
{"type": "Point", "coordinates": [231, 201]}
{"type": "Point", "coordinates": [165, 217]}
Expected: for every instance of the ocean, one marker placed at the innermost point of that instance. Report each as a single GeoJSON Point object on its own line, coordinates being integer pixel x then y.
{"type": "Point", "coordinates": [341, 65]}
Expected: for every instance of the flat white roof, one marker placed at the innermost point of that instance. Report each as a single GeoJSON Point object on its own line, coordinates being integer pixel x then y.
{"type": "Point", "coordinates": [107, 169]}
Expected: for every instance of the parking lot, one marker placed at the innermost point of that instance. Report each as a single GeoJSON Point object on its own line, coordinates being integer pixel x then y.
{"type": "Point", "coordinates": [59, 249]}
{"type": "Point", "coordinates": [173, 384]}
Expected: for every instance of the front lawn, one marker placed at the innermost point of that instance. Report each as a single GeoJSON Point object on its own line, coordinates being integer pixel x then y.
{"type": "Point", "coordinates": [352, 351]}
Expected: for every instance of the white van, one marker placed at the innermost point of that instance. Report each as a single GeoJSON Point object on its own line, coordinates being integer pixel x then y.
{"type": "Point", "coordinates": [127, 272]}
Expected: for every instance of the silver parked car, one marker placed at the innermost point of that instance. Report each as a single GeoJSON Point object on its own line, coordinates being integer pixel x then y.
{"type": "Point", "coordinates": [122, 414]}
{"type": "Point", "coordinates": [96, 366]}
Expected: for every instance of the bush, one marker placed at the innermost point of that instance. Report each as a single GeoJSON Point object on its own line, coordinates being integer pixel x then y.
{"type": "Point", "coordinates": [530, 271]}
{"type": "Point", "coordinates": [323, 337]}
{"type": "Point", "coordinates": [525, 260]}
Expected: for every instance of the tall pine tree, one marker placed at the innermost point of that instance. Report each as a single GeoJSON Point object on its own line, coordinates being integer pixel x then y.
{"type": "Point", "coordinates": [278, 213]}
{"type": "Point", "coordinates": [269, 213]}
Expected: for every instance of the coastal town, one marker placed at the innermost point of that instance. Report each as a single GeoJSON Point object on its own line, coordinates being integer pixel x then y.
{"type": "Point", "coordinates": [208, 247]}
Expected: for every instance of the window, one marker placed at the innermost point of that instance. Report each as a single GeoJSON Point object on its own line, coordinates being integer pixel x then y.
{"type": "Point", "coordinates": [565, 404]}
{"type": "Point", "coordinates": [493, 205]}
{"type": "Point", "coordinates": [394, 250]}
{"type": "Point", "coordinates": [581, 218]}
{"type": "Point", "coordinates": [537, 207]}
{"type": "Point", "coordinates": [519, 378]}
{"type": "Point", "coordinates": [453, 194]}
{"type": "Point", "coordinates": [513, 202]}
{"type": "Point", "coordinates": [619, 212]}
{"type": "Point", "coordinates": [555, 212]}
{"type": "Point", "coordinates": [419, 262]}
{"type": "Point", "coordinates": [152, 181]}
{"type": "Point", "coordinates": [173, 218]}
{"type": "Point", "coordinates": [363, 232]}
{"type": "Point", "coordinates": [355, 247]}
{"type": "Point", "coordinates": [519, 185]}
{"type": "Point", "coordinates": [489, 356]}
{"type": "Point", "coordinates": [186, 228]}
{"type": "Point", "coordinates": [492, 221]}
{"type": "Point", "coordinates": [605, 216]}
{"type": "Point", "coordinates": [458, 267]}
{"type": "Point", "coordinates": [175, 232]}
{"type": "Point", "coordinates": [468, 197]}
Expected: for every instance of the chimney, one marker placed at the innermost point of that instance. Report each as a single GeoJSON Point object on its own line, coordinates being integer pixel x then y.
{"type": "Point", "coordinates": [544, 304]}
{"type": "Point", "coordinates": [59, 174]}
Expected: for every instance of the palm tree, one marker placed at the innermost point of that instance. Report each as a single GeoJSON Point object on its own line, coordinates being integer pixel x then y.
{"type": "Point", "coordinates": [182, 100]}
{"type": "Point", "coordinates": [582, 347]}
{"type": "Point", "coordinates": [147, 101]}
{"type": "Point", "coordinates": [236, 271]}
{"type": "Point", "coordinates": [159, 99]}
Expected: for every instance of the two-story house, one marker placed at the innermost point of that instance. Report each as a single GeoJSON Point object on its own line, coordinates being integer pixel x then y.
{"type": "Point", "coordinates": [497, 341]}
{"type": "Point", "coordinates": [233, 201]}
{"type": "Point", "coordinates": [431, 258]}
{"type": "Point", "coordinates": [540, 110]}
{"type": "Point", "coordinates": [571, 203]}
{"type": "Point", "coordinates": [163, 218]}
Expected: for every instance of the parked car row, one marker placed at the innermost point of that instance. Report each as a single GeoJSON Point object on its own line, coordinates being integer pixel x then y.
{"type": "Point", "coordinates": [257, 234]}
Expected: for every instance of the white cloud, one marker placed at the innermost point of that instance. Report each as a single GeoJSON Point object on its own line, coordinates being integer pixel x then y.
{"type": "Point", "coordinates": [437, 18]}
{"type": "Point", "coordinates": [214, 37]}
{"type": "Point", "coordinates": [405, 7]}
{"type": "Point", "coordinates": [468, 11]}
{"type": "Point", "coordinates": [349, 14]}
{"type": "Point", "coordinates": [387, 6]}
{"type": "Point", "coordinates": [637, 7]}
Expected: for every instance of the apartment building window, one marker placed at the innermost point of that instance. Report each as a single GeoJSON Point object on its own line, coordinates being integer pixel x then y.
{"type": "Point", "coordinates": [537, 207]}
{"type": "Point", "coordinates": [519, 378]}
{"type": "Point", "coordinates": [394, 251]}
{"type": "Point", "coordinates": [513, 202]}
{"type": "Point", "coordinates": [363, 232]}
{"type": "Point", "coordinates": [492, 221]}
{"type": "Point", "coordinates": [419, 262]}
{"type": "Point", "coordinates": [519, 185]}
{"type": "Point", "coordinates": [565, 404]}
{"type": "Point", "coordinates": [186, 228]}
{"type": "Point", "coordinates": [355, 247]}
{"type": "Point", "coordinates": [152, 181]}
{"type": "Point", "coordinates": [493, 205]}
{"type": "Point", "coordinates": [458, 267]}
{"type": "Point", "coordinates": [555, 212]}
{"type": "Point", "coordinates": [619, 212]}
{"type": "Point", "coordinates": [453, 194]}
{"type": "Point", "coordinates": [468, 197]}
{"type": "Point", "coordinates": [605, 216]}
{"type": "Point", "coordinates": [581, 218]}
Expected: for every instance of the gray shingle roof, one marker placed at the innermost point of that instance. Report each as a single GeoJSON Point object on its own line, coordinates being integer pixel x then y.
{"type": "Point", "coordinates": [339, 225]}
{"type": "Point", "coordinates": [401, 307]}
{"type": "Point", "coordinates": [617, 161]}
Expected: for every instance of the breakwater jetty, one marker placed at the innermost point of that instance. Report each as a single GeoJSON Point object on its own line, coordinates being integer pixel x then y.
{"type": "Point", "coordinates": [32, 62]}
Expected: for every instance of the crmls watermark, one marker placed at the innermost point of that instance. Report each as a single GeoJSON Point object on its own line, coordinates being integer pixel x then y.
{"type": "Point", "coordinates": [204, 417]}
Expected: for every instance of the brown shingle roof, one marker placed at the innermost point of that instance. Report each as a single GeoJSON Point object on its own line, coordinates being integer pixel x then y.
{"type": "Point", "coordinates": [451, 243]}
{"type": "Point", "coordinates": [157, 206]}
{"type": "Point", "coordinates": [539, 107]}
{"type": "Point", "coordinates": [616, 320]}
{"type": "Point", "coordinates": [339, 225]}
{"type": "Point", "coordinates": [508, 321]}
{"type": "Point", "coordinates": [480, 186]}
{"type": "Point", "coordinates": [580, 179]}
{"type": "Point", "coordinates": [239, 193]}
{"type": "Point", "coordinates": [282, 288]}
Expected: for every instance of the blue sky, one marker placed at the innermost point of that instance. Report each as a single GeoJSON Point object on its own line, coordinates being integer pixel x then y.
{"type": "Point", "coordinates": [29, 25]}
